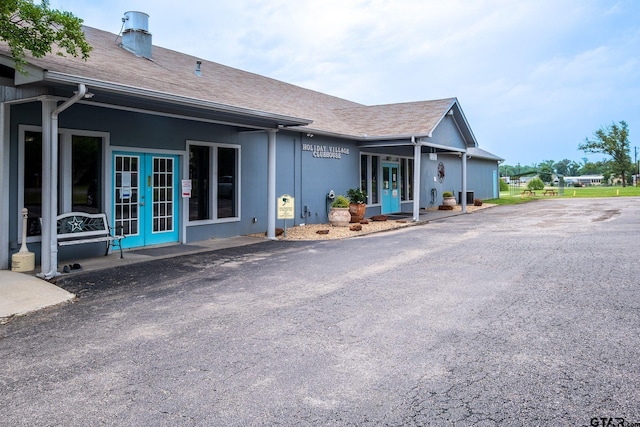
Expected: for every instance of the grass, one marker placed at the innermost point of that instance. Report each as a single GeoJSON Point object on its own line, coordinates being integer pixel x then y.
{"type": "Point", "coordinates": [506, 198]}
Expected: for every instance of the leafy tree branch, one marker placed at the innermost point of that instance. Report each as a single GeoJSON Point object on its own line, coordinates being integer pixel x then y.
{"type": "Point", "coordinates": [38, 30]}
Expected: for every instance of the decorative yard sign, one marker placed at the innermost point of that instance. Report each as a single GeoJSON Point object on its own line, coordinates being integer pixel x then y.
{"type": "Point", "coordinates": [286, 205]}
{"type": "Point", "coordinates": [325, 151]}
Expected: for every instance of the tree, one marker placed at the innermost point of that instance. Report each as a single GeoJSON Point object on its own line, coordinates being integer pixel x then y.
{"type": "Point", "coordinates": [535, 184]}
{"type": "Point", "coordinates": [613, 141]}
{"type": "Point", "coordinates": [28, 27]}
{"type": "Point", "coordinates": [545, 171]}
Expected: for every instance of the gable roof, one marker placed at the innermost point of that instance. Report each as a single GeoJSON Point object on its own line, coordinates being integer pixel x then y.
{"type": "Point", "coordinates": [170, 77]}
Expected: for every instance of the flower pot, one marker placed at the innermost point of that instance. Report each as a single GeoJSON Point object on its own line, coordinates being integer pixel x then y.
{"type": "Point", "coordinates": [357, 211]}
{"type": "Point", "coordinates": [339, 217]}
{"type": "Point", "coordinates": [449, 201]}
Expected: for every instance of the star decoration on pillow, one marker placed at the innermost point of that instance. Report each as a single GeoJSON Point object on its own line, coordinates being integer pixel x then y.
{"type": "Point", "coordinates": [76, 224]}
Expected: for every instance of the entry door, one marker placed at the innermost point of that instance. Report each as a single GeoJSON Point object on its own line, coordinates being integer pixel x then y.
{"type": "Point", "coordinates": [145, 198]}
{"type": "Point", "coordinates": [390, 190]}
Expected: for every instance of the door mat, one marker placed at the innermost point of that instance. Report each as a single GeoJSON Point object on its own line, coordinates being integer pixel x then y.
{"type": "Point", "coordinates": [167, 250]}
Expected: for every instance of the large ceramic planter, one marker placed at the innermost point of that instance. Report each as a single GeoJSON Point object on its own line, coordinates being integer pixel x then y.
{"type": "Point", "coordinates": [449, 201]}
{"type": "Point", "coordinates": [357, 211]}
{"type": "Point", "coordinates": [339, 217]}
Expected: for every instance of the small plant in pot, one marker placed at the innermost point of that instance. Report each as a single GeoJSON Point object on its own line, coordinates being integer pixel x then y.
{"type": "Point", "coordinates": [339, 215]}
{"type": "Point", "coordinates": [357, 204]}
{"type": "Point", "coordinates": [448, 199]}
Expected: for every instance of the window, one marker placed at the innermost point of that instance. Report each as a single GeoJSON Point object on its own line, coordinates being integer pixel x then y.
{"type": "Point", "coordinates": [86, 171]}
{"type": "Point", "coordinates": [369, 176]}
{"type": "Point", "coordinates": [214, 173]}
{"type": "Point", "coordinates": [32, 184]}
{"type": "Point", "coordinates": [227, 175]}
{"type": "Point", "coordinates": [199, 176]}
{"type": "Point", "coordinates": [406, 172]}
{"type": "Point", "coordinates": [374, 179]}
{"type": "Point", "coordinates": [79, 169]}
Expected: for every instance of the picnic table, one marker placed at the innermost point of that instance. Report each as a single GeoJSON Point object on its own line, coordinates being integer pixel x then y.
{"type": "Point", "coordinates": [550, 193]}
{"type": "Point", "coordinates": [527, 193]}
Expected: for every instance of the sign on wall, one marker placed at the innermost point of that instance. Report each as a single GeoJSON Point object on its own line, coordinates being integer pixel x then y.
{"type": "Point", "coordinates": [325, 151]}
{"type": "Point", "coordinates": [186, 188]}
{"type": "Point", "coordinates": [286, 207]}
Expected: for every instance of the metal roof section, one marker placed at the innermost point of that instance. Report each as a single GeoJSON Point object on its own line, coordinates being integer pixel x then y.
{"type": "Point", "coordinates": [482, 154]}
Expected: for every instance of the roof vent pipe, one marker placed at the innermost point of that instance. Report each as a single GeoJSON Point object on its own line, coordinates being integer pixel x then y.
{"type": "Point", "coordinates": [198, 71]}
{"type": "Point", "coordinates": [136, 37]}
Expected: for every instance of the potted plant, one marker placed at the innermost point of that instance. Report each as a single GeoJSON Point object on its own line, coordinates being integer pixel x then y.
{"type": "Point", "coordinates": [357, 204]}
{"type": "Point", "coordinates": [448, 199]}
{"type": "Point", "coordinates": [339, 215]}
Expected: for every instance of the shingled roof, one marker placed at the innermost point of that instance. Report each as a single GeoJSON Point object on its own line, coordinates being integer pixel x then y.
{"type": "Point", "coordinates": [172, 73]}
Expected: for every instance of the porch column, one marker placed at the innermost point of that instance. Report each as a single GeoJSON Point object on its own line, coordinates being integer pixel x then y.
{"type": "Point", "coordinates": [417, 177]}
{"type": "Point", "coordinates": [464, 182]}
{"type": "Point", "coordinates": [271, 185]}
{"type": "Point", "coordinates": [48, 223]}
{"type": "Point", "coordinates": [4, 184]}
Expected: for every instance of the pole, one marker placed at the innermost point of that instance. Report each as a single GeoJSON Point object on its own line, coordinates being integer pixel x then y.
{"type": "Point", "coordinates": [635, 150]}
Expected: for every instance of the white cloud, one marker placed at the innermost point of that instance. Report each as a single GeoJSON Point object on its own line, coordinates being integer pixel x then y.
{"type": "Point", "coordinates": [527, 73]}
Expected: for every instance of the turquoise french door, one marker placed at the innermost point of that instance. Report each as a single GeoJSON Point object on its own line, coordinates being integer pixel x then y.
{"type": "Point", "coordinates": [390, 189]}
{"type": "Point", "coordinates": [145, 198]}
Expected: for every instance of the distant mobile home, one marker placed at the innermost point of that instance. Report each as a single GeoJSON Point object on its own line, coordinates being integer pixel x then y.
{"type": "Point", "coordinates": [177, 149]}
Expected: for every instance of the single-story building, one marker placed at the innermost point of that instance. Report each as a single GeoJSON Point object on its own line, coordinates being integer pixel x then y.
{"type": "Point", "coordinates": [174, 148]}
{"type": "Point", "coordinates": [584, 180]}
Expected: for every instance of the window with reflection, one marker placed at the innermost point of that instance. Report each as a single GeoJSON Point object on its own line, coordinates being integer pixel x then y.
{"type": "Point", "coordinates": [86, 188]}
{"type": "Point", "coordinates": [214, 175]}
{"type": "Point", "coordinates": [82, 191]}
{"type": "Point", "coordinates": [32, 172]}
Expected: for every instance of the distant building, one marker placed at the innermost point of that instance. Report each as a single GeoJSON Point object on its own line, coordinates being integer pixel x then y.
{"type": "Point", "coordinates": [584, 180]}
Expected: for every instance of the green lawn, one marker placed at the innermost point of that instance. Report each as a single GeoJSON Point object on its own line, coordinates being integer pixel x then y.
{"type": "Point", "coordinates": [506, 198]}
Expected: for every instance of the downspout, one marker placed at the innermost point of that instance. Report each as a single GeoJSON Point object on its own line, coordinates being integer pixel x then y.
{"type": "Point", "coordinates": [417, 174]}
{"type": "Point", "coordinates": [53, 181]}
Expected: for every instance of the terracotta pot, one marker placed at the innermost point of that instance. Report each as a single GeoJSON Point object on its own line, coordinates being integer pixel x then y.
{"type": "Point", "coordinates": [449, 201]}
{"type": "Point", "coordinates": [339, 217]}
{"type": "Point", "coordinates": [357, 211]}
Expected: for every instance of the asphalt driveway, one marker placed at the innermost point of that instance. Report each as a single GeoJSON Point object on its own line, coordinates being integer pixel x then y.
{"type": "Point", "coordinates": [515, 315]}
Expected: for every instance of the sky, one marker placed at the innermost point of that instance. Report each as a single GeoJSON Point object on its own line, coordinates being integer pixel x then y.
{"type": "Point", "coordinates": [533, 77]}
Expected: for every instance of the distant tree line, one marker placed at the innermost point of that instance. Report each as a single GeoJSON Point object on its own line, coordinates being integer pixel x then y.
{"type": "Point", "coordinates": [610, 140]}
{"type": "Point", "coordinates": [563, 167]}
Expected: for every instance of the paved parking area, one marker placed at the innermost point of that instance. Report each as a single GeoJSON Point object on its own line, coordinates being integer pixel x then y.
{"type": "Point", "coordinates": [518, 315]}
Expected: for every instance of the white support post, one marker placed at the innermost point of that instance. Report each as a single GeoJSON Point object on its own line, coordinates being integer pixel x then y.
{"type": "Point", "coordinates": [271, 185]}
{"type": "Point", "coordinates": [417, 158]}
{"type": "Point", "coordinates": [464, 183]}
{"type": "Point", "coordinates": [48, 106]}
{"type": "Point", "coordinates": [5, 145]}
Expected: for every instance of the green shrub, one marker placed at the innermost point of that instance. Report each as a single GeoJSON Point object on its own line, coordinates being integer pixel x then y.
{"type": "Point", "coordinates": [340, 202]}
{"type": "Point", "coordinates": [447, 194]}
{"type": "Point", "coordinates": [357, 196]}
{"type": "Point", "coordinates": [535, 184]}
{"type": "Point", "coordinates": [503, 185]}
